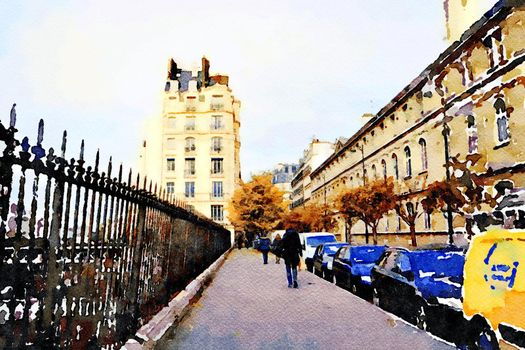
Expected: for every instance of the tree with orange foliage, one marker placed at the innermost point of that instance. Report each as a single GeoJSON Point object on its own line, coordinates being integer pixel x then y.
{"type": "Point", "coordinates": [408, 212]}
{"type": "Point", "coordinates": [257, 206]}
{"type": "Point", "coordinates": [311, 218]}
{"type": "Point", "coordinates": [370, 203]}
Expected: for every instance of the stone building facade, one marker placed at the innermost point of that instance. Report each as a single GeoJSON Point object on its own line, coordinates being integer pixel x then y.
{"type": "Point", "coordinates": [476, 90]}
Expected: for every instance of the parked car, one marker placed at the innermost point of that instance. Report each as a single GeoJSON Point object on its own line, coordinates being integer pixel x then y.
{"type": "Point", "coordinates": [352, 266]}
{"type": "Point", "coordinates": [310, 241]}
{"type": "Point", "coordinates": [424, 288]}
{"type": "Point", "coordinates": [323, 259]}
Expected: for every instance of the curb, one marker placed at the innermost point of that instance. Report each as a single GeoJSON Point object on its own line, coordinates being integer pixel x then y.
{"type": "Point", "coordinates": [149, 334]}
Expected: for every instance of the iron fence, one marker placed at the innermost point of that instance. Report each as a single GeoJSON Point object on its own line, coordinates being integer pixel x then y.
{"type": "Point", "coordinates": [85, 257]}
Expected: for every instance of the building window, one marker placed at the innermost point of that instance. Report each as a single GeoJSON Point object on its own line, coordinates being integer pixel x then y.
{"type": "Point", "coordinates": [217, 166]}
{"type": "Point", "coordinates": [428, 222]}
{"type": "Point", "coordinates": [202, 98]}
{"type": "Point", "coordinates": [502, 121]}
{"type": "Point", "coordinates": [472, 134]}
{"type": "Point", "coordinates": [190, 124]}
{"type": "Point", "coordinates": [170, 164]}
{"type": "Point", "coordinates": [383, 164]}
{"type": "Point", "coordinates": [189, 190]}
{"type": "Point", "coordinates": [396, 166]}
{"type": "Point", "coordinates": [217, 189]}
{"type": "Point", "coordinates": [171, 143]}
{"type": "Point", "coordinates": [172, 123]}
{"type": "Point", "coordinates": [365, 176]}
{"type": "Point", "coordinates": [170, 187]}
{"type": "Point", "coordinates": [398, 223]}
{"type": "Point", "coordinates": [216, 122]}
{"type": "Point", "coordinates": [190, 144]}
{"type": "Point", "coordinates": [217, 212]}
{"type": "Point", "coordinates": [408, 160]}
{"type": "Point", "coordinates": [216, 144]}
{"type": "Point", "coordinates": [424, 159]}
{"type": "Point", "coordinates": [374, 172]}
{"type": "Point", "coordinates": [189, 166]}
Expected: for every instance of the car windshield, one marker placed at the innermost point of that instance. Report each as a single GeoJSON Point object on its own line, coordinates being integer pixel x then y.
{"type": "Point", "coordinates": [316, 240]}
{"type": "Point", "coordinates": [366, 254]}
{"type": "Point", "coordinates": [435, 263]}
{"type": "Point", "coordinates": [332, 248]}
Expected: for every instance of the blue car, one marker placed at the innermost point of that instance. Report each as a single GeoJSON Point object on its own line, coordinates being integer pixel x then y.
{"type": "Point", "coordinates": [424, 288]}
{"type": "Point", "coordinates": [352, 267]}
{"type": "Point", "coordinates": [323, 259]}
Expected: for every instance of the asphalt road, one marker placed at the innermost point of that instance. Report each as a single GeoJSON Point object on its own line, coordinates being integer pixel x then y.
{"type": "Point", "coordinates": [249, 306]}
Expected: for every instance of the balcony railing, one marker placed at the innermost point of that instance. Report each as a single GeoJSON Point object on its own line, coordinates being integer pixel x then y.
{"type": "Point", "coordinates": [189, 149]}
{"type": "Point", "coordinates": [191, 108]}
{"type": "Point", "coordinates": [216, 149]}
{"type": "Point", "coordinates": [214, 126]}
{"type": "Point", "coordinates": [189, 172]}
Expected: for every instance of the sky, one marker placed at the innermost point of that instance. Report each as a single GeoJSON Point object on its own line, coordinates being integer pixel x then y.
{"type": "Point", "coordinates": [301, 69]}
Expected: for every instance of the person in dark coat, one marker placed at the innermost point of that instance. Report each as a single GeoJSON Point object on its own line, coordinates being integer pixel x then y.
{"type": "Point", "coordinates": [264, 247]}
{"type": "Point", "coordinates": [276, 248]}
{"type": "Point", "coordinates": [291, 252]}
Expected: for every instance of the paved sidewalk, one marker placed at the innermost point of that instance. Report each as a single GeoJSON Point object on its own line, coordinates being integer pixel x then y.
{"type": "Point", "coordinates": [249, 306]}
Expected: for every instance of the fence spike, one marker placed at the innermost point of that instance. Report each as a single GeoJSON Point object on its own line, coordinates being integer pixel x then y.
{"type": "Point", "coordinates": [150, 185]}
{"type": "Point", "coordinates": [138, 181]}
{"type": "Point", "coordinates": [129, 178]}
{"type": "Point", "coordinates": [82, 150]}
{"type": "Point", "coordinates": [97, 159]}
{"type": "Point", "coordinates": [64, 142]}
{"type": "Point", "coordinates": [12, 120]}
{"type": "Point", "coordinates": [155, 192]}
{"type": "Point", "coordinates": [120, 173]}
{"type": "Point", "coordinates": [145, 182]}
{"type": "Point", "coordinates": [40, 136]}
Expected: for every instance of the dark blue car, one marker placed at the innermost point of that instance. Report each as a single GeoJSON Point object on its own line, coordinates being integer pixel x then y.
{"type": "Point", "coordinates": [323, 259]}
{"type": "Point", "coordinates": [352, 267]}
{"type": "Point", "coordinates": [424, 288]}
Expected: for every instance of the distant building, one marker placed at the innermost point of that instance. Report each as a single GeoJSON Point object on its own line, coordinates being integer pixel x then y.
{"type": "Point", "coordinates": [282, 176]}
{"type": "Point", "coordinates": [197, 159]}
{"type": "Point", "coordinates": [313, 156]}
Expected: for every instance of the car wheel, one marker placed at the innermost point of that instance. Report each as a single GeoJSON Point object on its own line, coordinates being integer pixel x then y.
{"type": "Point", "coordinates": [482, 336]}
{"type": "Point", "coordinates": [309, 268]}
{"type": "Point", "coordinates": [375, 297]}
{"type": "Point", "coordinates": [420, 317]}
{"type": "Point", "coordinates": [328, 276]}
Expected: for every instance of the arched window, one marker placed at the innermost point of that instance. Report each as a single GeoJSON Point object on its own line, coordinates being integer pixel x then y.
{"type": "Point", "coordinates": [365, 177]}
{"type": "Point", "coordinates": [408, 161]}
{"type": "Point", "coordinates": [502, 121]}
{"type": "Point", "coordinates": [472, 134]}
{"type": "Point", "coordinates": [374, 172]}
{"type": "Point", "coordinates": [424, 159]}
{"type": "Point", "coordinates": [190, 144]}
{"type": "Point", "coordinates": [410, 208]}
{"type": "Point", "coordinates": [396, 166]}
{"type": "Point", "coordinates": [383, 164]}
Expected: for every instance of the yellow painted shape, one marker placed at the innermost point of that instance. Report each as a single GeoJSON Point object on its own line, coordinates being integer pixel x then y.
{"type": "Point", "coordinates": [490, 288]}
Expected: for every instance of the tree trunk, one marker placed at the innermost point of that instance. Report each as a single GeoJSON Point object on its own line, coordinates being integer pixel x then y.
{"type": "Point", "coordinates": [413, 234]}
{"type": "Point", "coordinates": [374, 233]}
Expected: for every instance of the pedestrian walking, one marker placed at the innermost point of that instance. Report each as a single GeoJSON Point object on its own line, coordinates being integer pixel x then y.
{"type": "Point", "coordinates": [291, 252]}
{"type": "Point", "coordinates": [264, 247]}
{"type": "Point", "coordinates": [240, 240]}
{"type": "Point", "coordinates": [276, 248]}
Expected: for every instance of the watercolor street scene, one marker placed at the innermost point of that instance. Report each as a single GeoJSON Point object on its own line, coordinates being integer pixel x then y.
{"type": "Point", "coordinates": [371, 196]}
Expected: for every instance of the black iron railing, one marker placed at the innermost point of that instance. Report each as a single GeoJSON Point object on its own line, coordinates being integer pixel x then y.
{"type": "Point", "coordinates": [85, 257]}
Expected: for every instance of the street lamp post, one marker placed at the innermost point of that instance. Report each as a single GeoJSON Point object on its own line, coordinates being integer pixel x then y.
{"type": "Point", "coordinates": [446, 134]}
{"type": "Point", "coordinates": [361, 148]}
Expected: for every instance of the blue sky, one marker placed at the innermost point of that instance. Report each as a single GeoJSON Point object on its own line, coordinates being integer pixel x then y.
{"type": "Point", "coordinates": [300, 68]}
